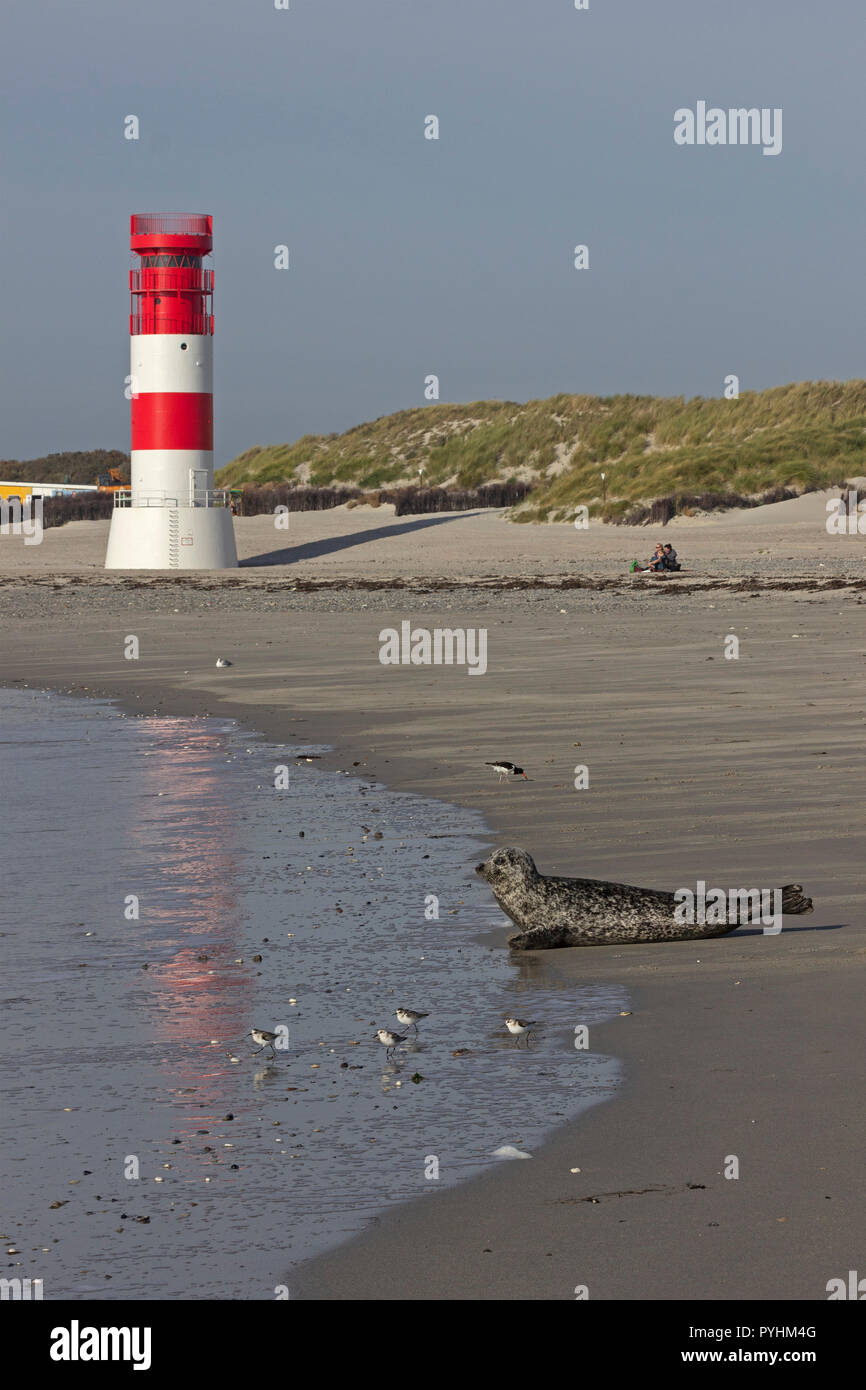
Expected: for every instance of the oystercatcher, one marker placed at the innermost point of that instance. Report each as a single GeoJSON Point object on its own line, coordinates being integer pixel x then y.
{"type": "Point", "coordinates": [506, 770]}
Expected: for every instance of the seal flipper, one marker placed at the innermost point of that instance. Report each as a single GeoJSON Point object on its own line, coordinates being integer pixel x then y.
{"type": "Point", "coordinates": [793, 901]}
{"type": "Point", "coordinates": [541, 939]}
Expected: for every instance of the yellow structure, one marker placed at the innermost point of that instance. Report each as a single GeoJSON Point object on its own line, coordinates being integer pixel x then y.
{"type": "Point", "coordinates": [22, 491]}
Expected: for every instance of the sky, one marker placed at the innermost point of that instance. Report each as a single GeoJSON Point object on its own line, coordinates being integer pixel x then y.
{"type": "Point", "coordinates": [411, 257]}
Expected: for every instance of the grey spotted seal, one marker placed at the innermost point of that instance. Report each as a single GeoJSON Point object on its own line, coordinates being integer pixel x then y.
{"type": "Point", "coordinates": [591, 912]}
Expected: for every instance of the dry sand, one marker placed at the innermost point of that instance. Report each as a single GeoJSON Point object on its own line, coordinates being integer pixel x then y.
{"type": "Point", "coordinates": [362, 542]}
{"type": "Point", "coordinates": [739, 772]}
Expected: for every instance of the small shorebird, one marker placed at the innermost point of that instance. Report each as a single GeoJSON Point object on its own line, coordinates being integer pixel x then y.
{"type": "Point", "coordinates": [506, 770]}
{"type": "Point", "coordinates": [410, 1017]}
{"type": "Point", "coordinates": [520, 1025]}
{"type": "Point", "coordinates": [223, 661]}
{"type": "Point", "coordinates": [389, 1040]}
{"type": "Point", "coordinates": [264, 1039]}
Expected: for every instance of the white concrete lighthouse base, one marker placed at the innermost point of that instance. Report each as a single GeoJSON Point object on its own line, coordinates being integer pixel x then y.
{"type": "Point", "coordinates": [171, 538]}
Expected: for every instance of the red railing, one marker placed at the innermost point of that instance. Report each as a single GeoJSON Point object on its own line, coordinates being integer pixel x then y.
{"type": "Point", "coordinates": [148, 323]}
{"type": "Point", "coordinates": [171, 223]}
{"type": "Point", "coordinates": [171, 280]}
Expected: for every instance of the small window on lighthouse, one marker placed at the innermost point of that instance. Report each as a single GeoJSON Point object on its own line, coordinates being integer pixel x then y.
{"type": "Point", "coordinates": [183, 347]}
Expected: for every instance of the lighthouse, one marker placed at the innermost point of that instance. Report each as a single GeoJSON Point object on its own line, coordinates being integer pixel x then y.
{"type": "Point", "coordinates": [171, 517]}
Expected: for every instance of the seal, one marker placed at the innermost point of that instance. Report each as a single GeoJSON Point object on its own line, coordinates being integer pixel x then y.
{"type": "Point", "coordinates": [554, 912]}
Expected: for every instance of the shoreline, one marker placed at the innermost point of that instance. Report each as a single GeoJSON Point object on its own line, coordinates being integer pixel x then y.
{"type": "Point", "coordinates": [543, 975]}
{"type": "Point", "coordinates": [753, 1052]}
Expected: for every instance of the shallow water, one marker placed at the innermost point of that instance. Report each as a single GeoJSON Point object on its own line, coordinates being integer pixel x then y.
{"type": "Point", "coordinates": [119, 1033]}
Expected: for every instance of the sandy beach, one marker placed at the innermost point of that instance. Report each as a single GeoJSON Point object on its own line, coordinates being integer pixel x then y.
{"type": "Point", "coordinates": [734, 771]}
{"type": "Point", "coordinates": [370, 545]}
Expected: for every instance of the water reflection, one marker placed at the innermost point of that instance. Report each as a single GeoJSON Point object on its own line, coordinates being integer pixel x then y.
{"type": "Point", "coordinates": [249, 1166]}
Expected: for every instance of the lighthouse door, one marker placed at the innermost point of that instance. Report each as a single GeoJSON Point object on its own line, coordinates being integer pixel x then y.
{"type": "Point", "coordinates": [198, 481]}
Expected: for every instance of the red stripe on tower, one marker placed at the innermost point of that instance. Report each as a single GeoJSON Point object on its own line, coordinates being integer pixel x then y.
{"type": "Point", "coordinates": [172, 420]}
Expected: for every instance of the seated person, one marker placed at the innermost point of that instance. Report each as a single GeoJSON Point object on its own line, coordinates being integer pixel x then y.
{"type": "Point", "coordinates": [657, 562]}
{"type": "Point", "coordinates": [670, 558]}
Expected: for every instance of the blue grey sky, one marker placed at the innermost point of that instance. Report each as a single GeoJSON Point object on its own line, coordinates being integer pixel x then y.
{"type": "Point", "coordinates": [410, 256]}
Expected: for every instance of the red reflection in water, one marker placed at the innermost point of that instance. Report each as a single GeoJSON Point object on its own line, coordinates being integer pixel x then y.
{"type": "Point", "coordinates": [189, 832]}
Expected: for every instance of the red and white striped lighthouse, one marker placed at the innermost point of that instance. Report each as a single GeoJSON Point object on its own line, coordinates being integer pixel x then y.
{"type": "Point", "coordinates": [171, 517]}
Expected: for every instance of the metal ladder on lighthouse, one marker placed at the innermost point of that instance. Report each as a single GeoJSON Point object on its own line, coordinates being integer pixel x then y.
{"type": "Point", "coordinates": [173, 539]}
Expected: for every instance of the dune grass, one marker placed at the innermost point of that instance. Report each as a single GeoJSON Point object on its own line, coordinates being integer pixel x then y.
{"type": "Point", "coordinates": [802, 436]}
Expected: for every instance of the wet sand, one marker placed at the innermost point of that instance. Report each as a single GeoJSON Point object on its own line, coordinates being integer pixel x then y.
{"type": "Point", "coordinates": [735, 772]}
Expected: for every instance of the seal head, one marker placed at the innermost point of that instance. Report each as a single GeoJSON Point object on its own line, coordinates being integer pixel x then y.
{"type": "Point", "coordinates": [506, 865]}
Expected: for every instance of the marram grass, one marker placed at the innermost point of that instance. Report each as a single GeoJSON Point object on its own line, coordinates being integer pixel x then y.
{"type": "Point", "coordinates": [798, 437]}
